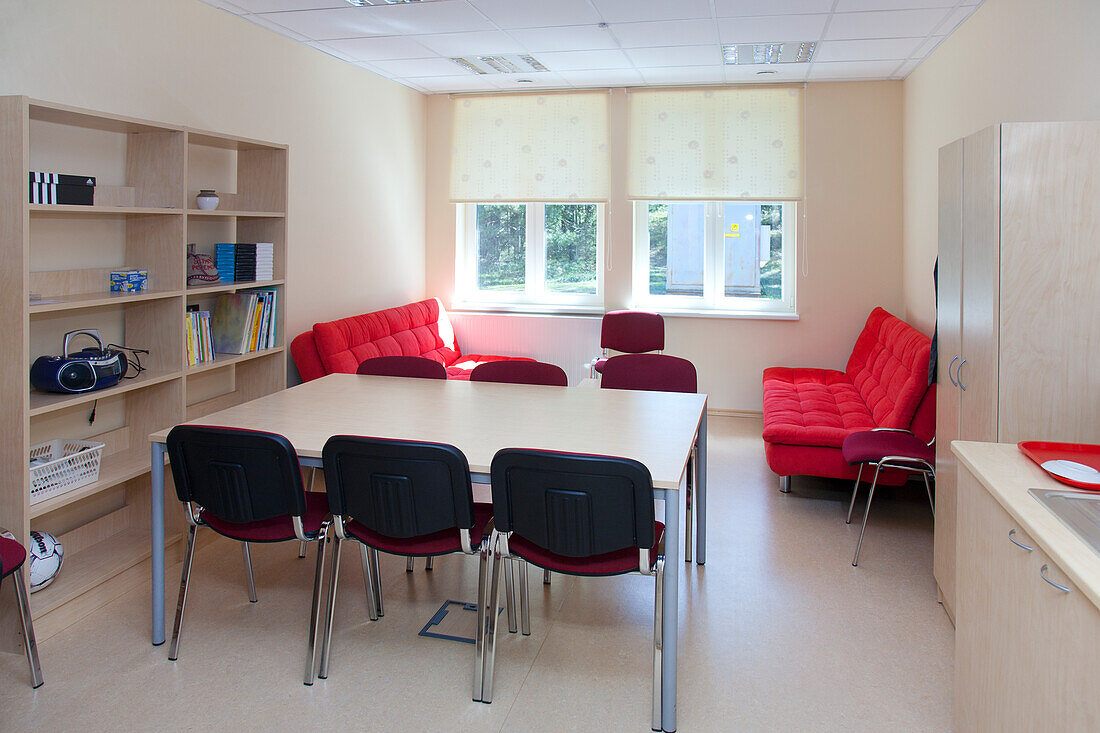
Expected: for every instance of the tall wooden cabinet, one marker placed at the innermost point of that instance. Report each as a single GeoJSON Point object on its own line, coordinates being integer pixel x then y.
{"type": "Point", "coordinates": [65, 253]}
{"type": "Point", "coordinates": [1019, 304]}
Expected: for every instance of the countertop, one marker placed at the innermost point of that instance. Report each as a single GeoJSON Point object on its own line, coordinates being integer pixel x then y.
{"type": "Point", "coordinates": [1007, 474]}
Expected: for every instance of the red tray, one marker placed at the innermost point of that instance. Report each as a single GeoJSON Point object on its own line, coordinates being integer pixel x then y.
{"type": "Point", "coordinates": [1041, 451]}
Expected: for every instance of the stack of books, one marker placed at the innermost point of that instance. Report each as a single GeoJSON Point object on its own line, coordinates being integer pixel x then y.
{"type": "Point", "coordinates": [245, 321]}
{"type": "Point", "coordinates": [198, 341]}
{"type": "Point", "coordinates": [246, 261]}
{"type": "Point", "coordinates": [265, 261]}
{"type": "Point", "coordinates": [225, 256]}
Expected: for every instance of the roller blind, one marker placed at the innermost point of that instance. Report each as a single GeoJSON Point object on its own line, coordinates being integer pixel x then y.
{"type": "Point", "coordinates": [715, 144]}
{"type": "Point", "coordinates": [537, 147]}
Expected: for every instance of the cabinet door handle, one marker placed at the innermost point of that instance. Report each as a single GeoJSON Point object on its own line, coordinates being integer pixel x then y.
{"type": "Point", "coordinates": [1013, 540]}
{"type": "Point", "coordinates": [1043, 575]}
{"type": "Point", "coordinates": [949, 375]}
{"type": "Point", "coordinates": [959, 376]}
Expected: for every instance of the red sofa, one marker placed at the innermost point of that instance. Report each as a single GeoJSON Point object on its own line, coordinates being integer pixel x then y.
{"type": "Point", "coordinates": [416, 329]}
{"type": "Point", "coordinates": [808, 412]}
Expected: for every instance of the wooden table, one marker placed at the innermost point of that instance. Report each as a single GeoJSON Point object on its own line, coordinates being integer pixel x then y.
{"type": "Point", "coordinates": [658, 429]}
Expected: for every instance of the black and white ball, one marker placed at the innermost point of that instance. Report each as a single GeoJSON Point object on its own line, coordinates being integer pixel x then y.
{"type": "Point", "coordinates": [45, 557]}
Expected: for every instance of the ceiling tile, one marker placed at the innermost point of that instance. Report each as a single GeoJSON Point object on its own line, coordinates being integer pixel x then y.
{"type": "Point", "coordinates": [627, 11]}
{"type": "Point", "coordinates": [275, 6]}
{"type": "Point", "coordinates": [453, 16]}
{"type": "Point", "coordinates": [604, 78]}
{"type": "Point", "coordinates": [765, 29]}
{"type": "Point", "coordinates": [729, 8]}
{"type": "Point", "coordinates": [675, 56]}
{"type": "Point", "coordinates": [471, 44]}
{"type": "Point", "coordinates": [380, 48]}
{"type": "Point", "coordinates": [684, 75]}
{"type": "Point", "coordinates": [416, 68]}
{"type": "Point", "coordinates": [886, 48]}
{"type": "Point", "coordinates": [262, 20]}
{"type": "Point", "coordinates": [466, 83]}
{"type": "Point", "coordinates": [346, 22]}
{"type": "Point", "coordinates": [852, 70]}
{"type": "Point", "coordinates": [784, 73]}
{"type": "Point", "coordinates": [848, 6]}
{"type": "Point", "coordinates": [513, 14]}
{"type": "Point", "coordinates": [539, 80]}
{"type": "Point", "coordinates": [666, 33]}
{"type": "Point", "coordinates": [886, 24]}
{"type": "Point", "coordinates": [926, 47]}
{"type": "Point", "coordinates": [580, 60]}
{"type": "Point", "coordinates": [568, 38]}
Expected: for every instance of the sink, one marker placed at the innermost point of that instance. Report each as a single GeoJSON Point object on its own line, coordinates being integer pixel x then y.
{"type": "Point", "coordinates": [1079, 512]}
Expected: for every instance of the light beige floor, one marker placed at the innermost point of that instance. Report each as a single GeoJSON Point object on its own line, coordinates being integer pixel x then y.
{"type": "Point", "coordinates": [777, 632]}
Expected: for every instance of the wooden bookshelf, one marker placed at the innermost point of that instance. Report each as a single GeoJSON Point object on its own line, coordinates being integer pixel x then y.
{"type": "Point", "coordinates": [64, 254]}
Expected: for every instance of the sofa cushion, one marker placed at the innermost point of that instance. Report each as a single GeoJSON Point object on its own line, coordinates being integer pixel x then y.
{"type": "Point", "coordinates": [889, 368]}
{"type": "Point", "coordinates": [416, 329]}
{"type": "Point", "coordinates": [807, 406]}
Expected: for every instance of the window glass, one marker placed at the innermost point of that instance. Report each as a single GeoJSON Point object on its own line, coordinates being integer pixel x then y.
{"type": "Point", "coordinates": [501, 246]}
{"type": "Point", "coordinates": [571, 234]}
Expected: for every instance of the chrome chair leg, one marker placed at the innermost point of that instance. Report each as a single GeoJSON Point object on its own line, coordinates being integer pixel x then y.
{"type": "Point", "coordinates": [429, 563]}
{"type": "Point", "coordinates": [785, 484]}
{"type": "Point", "coordinates": [866, 513]}
{"type": "Point", "coordinates": [546, 577]}
{"type": "Point", "coordinates": [689, 500]}
{"type": "Point", "coordinates": [301, 550]}
{"type": "Point", "coordinates": [855, 490]}
{"type": "Point", "coordinates": [29, 641]}
{"type": "Point", "coordinates": [491, 634]}
{"type": "Point", "coordinates": [524, 606]}
{"type": "Point", "coordinates": [376, 576]}
{"type": "Point", "coordinates": [315, 614]}
{"type": "Point", "coordinates": [928, 490]}
{"type": "Point", "coordinates": [248, 573]}
{"type": "Point", "coordinates": [368, 582]}
{"type": "Point", "coordinates": [510, 592]}
{"type": "Point", "coordinates": [330, 610]}
{"type": "Point", "coordinates": [185, 576]}
{"type": "Point", "coordinates": [658, 642]}
{"type": "Point", "coordinates": [479, 633]}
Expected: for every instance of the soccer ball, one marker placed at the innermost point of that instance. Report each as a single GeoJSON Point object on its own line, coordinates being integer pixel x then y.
{"type": "Point", "coordinates": [46, 555]}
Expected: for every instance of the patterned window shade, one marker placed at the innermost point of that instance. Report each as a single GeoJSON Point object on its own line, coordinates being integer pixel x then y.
{"type": "Point", "coordinates": [538, 147]}
{"type": "Point", "coordinates": [715, 144]}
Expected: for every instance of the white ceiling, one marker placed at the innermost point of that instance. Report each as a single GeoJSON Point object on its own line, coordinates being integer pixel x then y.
{"type": "Point", "coordinates": [604, 43]}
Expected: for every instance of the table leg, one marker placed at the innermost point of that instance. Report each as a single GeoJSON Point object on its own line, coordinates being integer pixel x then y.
{"type": "Point", "coordinates": [700, 507]}
{"type": "Point", "coordinates": [156, 529]}
{"type": "Point", "coordinates": [671, 603]}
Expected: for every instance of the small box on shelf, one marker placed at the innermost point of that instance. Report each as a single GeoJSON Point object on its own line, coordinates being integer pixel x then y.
{"type": "Point", "coordinates": [129, 281]}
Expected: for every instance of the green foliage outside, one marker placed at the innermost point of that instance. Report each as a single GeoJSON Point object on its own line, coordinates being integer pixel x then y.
{"type": "Point", "coordinates": [570, 247]}
{"type": "Point", "coordinates": [771, 273]}
{"type": "Point", "coordinates": [501, 251]}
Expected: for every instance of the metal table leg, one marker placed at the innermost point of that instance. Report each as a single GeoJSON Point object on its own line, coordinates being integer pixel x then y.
{"type": "Point", "coordinates": [156, 528]}
{"type": "Point", "coordinates": [701, 492]}
{"type": "Point", "coordinates": [671, 601]}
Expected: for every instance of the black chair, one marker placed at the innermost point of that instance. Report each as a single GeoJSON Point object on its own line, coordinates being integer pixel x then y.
{"type": "Point", "coordinates": [400, 497]}
{"type": "Point", "coordinates": [247, 486]}
{"type": "Point", "coordinates": [12, 557]}
{"type": "Point", "coordinates": [573, 514]}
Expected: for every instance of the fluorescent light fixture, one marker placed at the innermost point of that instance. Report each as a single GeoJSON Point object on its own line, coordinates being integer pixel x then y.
{"type": "Point", "coordinates": [498, 64]}
{"type": "Point", "coordinates": [742, 54]}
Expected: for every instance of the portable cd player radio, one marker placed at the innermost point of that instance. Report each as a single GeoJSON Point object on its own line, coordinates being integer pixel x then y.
{"type": "Point", "coordinates": [82, 371]}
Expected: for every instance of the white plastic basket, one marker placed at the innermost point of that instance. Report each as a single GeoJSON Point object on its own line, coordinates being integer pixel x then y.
{"type": "Point", "coordinates": [69, 464]}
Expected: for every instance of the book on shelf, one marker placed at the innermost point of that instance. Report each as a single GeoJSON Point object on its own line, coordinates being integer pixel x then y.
{"type": "Point", "coordinates": [197, 338]}
{"type": "Point", "coordinates": [246, 261]}
{"type": "Point", "coordinates": [245, 321]}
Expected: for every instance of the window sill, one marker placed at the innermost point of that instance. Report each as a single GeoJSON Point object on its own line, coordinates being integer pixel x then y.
{"type": "Point", "coordinates": [532, 309]}
{"type": "Point", "coordinates": [731, 314]}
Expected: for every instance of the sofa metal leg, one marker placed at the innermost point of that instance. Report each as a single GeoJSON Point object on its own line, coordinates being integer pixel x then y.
{"type": "Point", "coordinates": [785, 484]}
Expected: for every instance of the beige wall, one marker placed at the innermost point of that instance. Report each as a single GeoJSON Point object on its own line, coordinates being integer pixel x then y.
{"type": "Point", "coordinates": [357, 166]}
{"type": "Point", "coordinates": [853, 234]}
{"type": "Point", "coordinates": [1012, 61]}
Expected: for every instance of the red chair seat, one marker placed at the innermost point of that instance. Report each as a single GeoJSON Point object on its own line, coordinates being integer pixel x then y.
{"type": "Point", "coordinates": [611, 563]}
{"type": "Point", "coordinates": [465, 364]}
{"type": "Point", "coordinates": [276, 529]}
{"type": "Point", "coordinates": [872, 446]}
{"type": "Point", "coordinates": [12, 556]}
{"type": "Point", "coordinates": [437, 543]}
{"type": "Point", "coordinates": [598, 366]}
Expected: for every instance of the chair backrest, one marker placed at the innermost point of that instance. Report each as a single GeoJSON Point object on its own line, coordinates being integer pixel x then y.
{"type": "Point", "coordinates": [571, 504]}
{"type": "Point", "coordinates": [239, 476]}
{"type": "Point", "coordinates": [924, 420]}
{"type": "Point", "coordinates": [403, 366]}
{"type": "Point", "coordinates": [632, 332]}
{"type": "Point", "coordinates": [398, 488]}
{"type": "Point", "coordinates": [653, 372]}
{"type": "Point", "coordinates": [520, 372]}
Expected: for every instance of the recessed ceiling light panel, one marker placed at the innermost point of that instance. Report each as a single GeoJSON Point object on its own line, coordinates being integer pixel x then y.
{"type": "Point", "coordinates": [742, 54]}
{"type": "Point", "coordinates": [497, 64]}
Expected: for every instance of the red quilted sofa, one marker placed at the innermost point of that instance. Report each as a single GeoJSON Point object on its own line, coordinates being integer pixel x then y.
{"type": "Point", "coordinates": [808, 412]}
{"type": "Point", "coordinates": [416, 329]}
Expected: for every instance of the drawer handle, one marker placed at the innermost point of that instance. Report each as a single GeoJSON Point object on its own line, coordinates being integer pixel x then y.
{"type": "Point", "coordinates": [1043, 574]}
{"type": "Point", "coordinates": [1013, 540]}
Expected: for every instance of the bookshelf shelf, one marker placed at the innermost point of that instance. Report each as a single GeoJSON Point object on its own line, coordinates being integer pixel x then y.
{"type": "Point", "coordinates": [65, 253]}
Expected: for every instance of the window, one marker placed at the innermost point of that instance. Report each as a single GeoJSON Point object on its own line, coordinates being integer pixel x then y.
{"type": "Point", "coordinates": [533, 253]}
{"type": "Point", "coordinates": [718, 255]}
